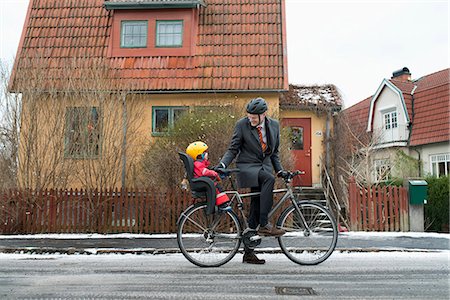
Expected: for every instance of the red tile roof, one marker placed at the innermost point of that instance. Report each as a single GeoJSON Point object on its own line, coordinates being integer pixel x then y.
{"type": "Point", "coordinates": [431, 109]}
{"type": "Point", "coordinates": [240, 46]}
{"type": "Point", "coordinates": [430, 116]}
{"type": "Point", "coordinates": [357, 116]}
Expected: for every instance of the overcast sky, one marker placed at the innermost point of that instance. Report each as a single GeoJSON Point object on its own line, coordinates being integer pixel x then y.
{"type": "Point", "coordinates": [352, 44]}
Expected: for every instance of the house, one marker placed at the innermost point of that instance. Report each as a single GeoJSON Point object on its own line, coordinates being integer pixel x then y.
{"type": "Point", "coordinates": [408, 125]}
{"type": "Point", "coordinates": [88, 66]}
{"type": "Point", "coordinates": [308, 112]}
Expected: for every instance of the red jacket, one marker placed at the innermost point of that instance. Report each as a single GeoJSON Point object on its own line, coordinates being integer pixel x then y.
{"type": "Point", "coordinates": [201, 169]}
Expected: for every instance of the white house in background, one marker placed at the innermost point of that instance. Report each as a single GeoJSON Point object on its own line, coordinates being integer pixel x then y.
{"type": "Point", "coordinates": [408, 115]}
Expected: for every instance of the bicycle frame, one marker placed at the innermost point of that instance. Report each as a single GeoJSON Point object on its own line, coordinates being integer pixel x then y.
{"type": "Point", "coordinates": [288, 195]}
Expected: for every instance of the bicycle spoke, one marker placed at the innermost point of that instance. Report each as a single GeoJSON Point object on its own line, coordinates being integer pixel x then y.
{"type": "Point", "coordinates": [215, 244]}
{"type": "Point", "coordinates": [310, 245]}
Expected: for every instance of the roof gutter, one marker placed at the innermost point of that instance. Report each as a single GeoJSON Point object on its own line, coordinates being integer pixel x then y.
{"type": "Point", "coordinates": [166, 92]}
{"type": "Point", "coordinates": [155, 5]}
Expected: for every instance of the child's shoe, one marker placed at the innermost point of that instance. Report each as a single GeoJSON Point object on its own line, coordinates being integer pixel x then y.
{"type": "Point", "coordinates": [225, 206]}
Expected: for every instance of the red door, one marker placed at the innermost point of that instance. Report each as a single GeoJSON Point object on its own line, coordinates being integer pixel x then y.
{"type": "Point", "coordinates": [300, 148]}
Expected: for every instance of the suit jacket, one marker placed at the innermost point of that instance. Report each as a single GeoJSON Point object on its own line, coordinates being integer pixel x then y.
{"type": "Point", "coordinates": [246, 148]}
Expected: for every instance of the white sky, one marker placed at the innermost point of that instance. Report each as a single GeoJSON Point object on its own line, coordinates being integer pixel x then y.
{"type": "Point", "coordinates": [352, 44]}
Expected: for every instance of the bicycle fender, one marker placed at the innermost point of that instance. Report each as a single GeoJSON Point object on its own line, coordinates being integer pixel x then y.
{"type": "Point", "coordinates": [187, 210]}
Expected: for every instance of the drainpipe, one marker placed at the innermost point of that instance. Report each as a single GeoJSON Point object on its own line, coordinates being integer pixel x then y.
{"type": "Point", "coordinates": [410, 131]}
{"type": "Point", "coordinates": [327, 141]}
{"type": "Point", "coordinates": [124, 139]}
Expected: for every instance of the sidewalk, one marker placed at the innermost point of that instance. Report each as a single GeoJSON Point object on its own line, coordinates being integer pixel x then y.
{"type": "Point", "coordinates": [166, 243]}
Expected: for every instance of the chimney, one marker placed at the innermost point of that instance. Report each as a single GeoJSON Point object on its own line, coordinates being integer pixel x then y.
{"type": "Point", "coordinates": [402, 75]}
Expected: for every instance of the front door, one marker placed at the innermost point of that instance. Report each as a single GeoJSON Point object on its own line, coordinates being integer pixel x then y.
{"type": "Point", "coordinates": [300, 148]}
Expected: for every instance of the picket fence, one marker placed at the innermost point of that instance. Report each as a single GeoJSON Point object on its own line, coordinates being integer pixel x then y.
{"type": "Point", "coordinates": [378, 208]}
{"type": "Point", "coordinates": [79, 211]}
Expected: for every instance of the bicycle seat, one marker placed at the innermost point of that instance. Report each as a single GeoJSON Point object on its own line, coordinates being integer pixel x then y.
{"type": "Point", "coordinates": [202, 187]}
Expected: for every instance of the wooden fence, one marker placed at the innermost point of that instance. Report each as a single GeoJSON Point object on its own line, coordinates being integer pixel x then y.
{"type": "Point", "coordinates": [78, 211]}
{"type": "Point", "coordinates": [378, 208]}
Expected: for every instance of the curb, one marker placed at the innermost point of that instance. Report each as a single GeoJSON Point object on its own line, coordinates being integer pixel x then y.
{"type": "Point", "coordinates": [153, 251]}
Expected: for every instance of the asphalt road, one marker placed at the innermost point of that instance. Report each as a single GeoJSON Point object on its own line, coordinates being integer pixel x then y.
{"type": "Point", "coordinates": [360, 242]}
{"type": "Point", "coordinates": [369, 275]}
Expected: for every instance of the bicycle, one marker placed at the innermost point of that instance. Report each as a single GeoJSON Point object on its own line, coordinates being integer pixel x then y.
{"type": "Point", "coordinates": [213, 240]}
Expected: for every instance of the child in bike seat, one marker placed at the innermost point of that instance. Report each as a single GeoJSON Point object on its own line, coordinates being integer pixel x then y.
{"type": "Point", "coordinates": [198, 152]}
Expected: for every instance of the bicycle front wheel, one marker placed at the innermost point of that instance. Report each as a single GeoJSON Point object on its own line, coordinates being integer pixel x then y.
{"type": "Point", "coordinates": [311, 241]}
{"type": "Point", "coordinates": [208, 240]}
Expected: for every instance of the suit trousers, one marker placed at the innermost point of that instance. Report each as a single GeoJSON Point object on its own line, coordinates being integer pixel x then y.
{"type": "Point", "coordinates": [261, 205]}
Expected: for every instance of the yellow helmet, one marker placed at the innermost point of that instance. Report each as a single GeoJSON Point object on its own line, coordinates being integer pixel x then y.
{"type": "Point", "coordinates": [195, 149]}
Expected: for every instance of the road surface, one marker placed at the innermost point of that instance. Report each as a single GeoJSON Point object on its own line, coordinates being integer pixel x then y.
{"type": "Point", "coordinates": [372, 275]}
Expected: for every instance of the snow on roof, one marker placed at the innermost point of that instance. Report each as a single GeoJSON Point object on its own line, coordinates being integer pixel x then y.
{"type": "Point", "coordinates": [315, 97]}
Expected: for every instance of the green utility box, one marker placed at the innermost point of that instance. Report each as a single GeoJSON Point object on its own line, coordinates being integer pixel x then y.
{"type": "Point", "coordinates": [418, 191]}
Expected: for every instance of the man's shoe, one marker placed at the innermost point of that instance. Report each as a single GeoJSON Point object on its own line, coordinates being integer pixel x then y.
{"type": "Point", "coordinates": [251, 258]}
{"type": "Point", "coordinates": [269, 230]}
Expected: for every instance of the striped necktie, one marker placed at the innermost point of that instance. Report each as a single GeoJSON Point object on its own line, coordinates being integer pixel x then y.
{"type": "Point", "coordinates": [263, 145]}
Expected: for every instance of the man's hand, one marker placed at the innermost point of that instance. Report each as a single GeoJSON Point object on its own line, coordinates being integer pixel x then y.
{"type": "Point", "coordinates": [219, 166]}
{"type": "Point", "coordinates": [283, 174]}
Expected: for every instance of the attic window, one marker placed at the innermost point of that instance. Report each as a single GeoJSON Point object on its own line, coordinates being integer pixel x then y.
{"type": "Point", "coordinates": [153, 32]}
{"type": "Point", "coordinates": [169, 33]}
{"type": "Point", "coordinates": [133, 34]}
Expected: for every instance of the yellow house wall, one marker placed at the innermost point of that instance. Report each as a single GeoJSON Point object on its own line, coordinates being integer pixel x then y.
{"type": "Point", "coordinates": [145, 103]}
{"type": "Point", "coordinates": [139, 132]}
{"type": "Point", "coordinates": [318, 126]}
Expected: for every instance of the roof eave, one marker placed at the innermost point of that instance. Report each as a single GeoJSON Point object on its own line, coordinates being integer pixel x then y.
{"type": "Point", "coordinates": [139, 5]}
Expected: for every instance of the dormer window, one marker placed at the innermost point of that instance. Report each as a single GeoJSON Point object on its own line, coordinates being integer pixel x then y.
{"type": "Point", "coordinates": [133, 34]}
{"type": "Point", "coordinates": [153, 28]}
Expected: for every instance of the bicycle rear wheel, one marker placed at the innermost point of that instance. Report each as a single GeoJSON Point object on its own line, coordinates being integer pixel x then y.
{"type": "Point", "coordinates": [311, 244]}
{"type": "Point", "coordinates": [208, 240]}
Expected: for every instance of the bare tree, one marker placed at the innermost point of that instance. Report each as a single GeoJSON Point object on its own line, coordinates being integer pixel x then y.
{"type": "Point", "coordinates": [72, 130]}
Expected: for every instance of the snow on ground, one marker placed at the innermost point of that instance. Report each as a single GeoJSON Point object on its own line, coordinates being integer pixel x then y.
{"type": "Point", "coordinates": [178, 257]}
{"type": "Point", "coordinates": [353, 234]}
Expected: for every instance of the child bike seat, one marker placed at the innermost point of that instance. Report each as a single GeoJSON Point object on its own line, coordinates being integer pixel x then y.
{"type": "Point", "coordinates": [201, 186]}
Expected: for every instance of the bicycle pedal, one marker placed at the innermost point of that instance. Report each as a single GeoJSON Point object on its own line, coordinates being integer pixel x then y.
{"type": "Point", "coordinates": [255, 238]}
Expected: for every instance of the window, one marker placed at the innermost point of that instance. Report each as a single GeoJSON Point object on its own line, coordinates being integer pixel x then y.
{"type": "Point", "coordinates": [440, 164]}
{"type": "Point", "coordinates": [390, 120]}
{"type": "Point", "coordinates": [165, 117]}
{"type": "Point", "coordinates": [169, 33]}
{"type": "Point", "coordinates": [382, 169]}
{"type": "Point", "coordinates": [82, 132]}
{"type": "Point", "coordinates": [133, 34]}
{"type": "Point", "coordinates": [296, 138]}
{"type": "Point", "coordinates": [148, 32]}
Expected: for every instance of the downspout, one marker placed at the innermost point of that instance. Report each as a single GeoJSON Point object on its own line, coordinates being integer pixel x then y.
{"type": "Point", "coordinates": [327, 143]}
{"type": "Point", "coordinates": [124, 139]}
{"type": "Point", "coordinates": [410, 132]}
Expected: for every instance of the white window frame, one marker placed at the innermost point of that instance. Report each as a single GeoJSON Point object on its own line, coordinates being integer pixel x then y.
{"type": "Point", "coordinates": [382, 169]}
{"type": "Point", "coordinates": [390, 120]}
{"type": "Point", "coordinates": [143, 36]}
{"type": "Point", "coordinates": [435, 159]}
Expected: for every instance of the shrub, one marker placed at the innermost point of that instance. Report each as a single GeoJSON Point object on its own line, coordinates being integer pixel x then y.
{"type": "Point", "coordinates": [437, 207]}
{"type": "Point", "coordinates": [161, 165]}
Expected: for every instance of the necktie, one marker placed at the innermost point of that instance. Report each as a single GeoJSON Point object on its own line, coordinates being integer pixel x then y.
{"type": "Point", "coordinates": [263, 145]}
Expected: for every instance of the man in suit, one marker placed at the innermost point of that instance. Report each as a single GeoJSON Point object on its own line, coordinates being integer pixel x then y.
{"type": "Point", "coordinates": [254, 144]}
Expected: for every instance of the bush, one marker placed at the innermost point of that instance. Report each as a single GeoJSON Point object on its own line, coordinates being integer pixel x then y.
{"type": "Point", "coordinates": [161, 165]}
{"type": "Point", "coordinates": [437, 207]}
